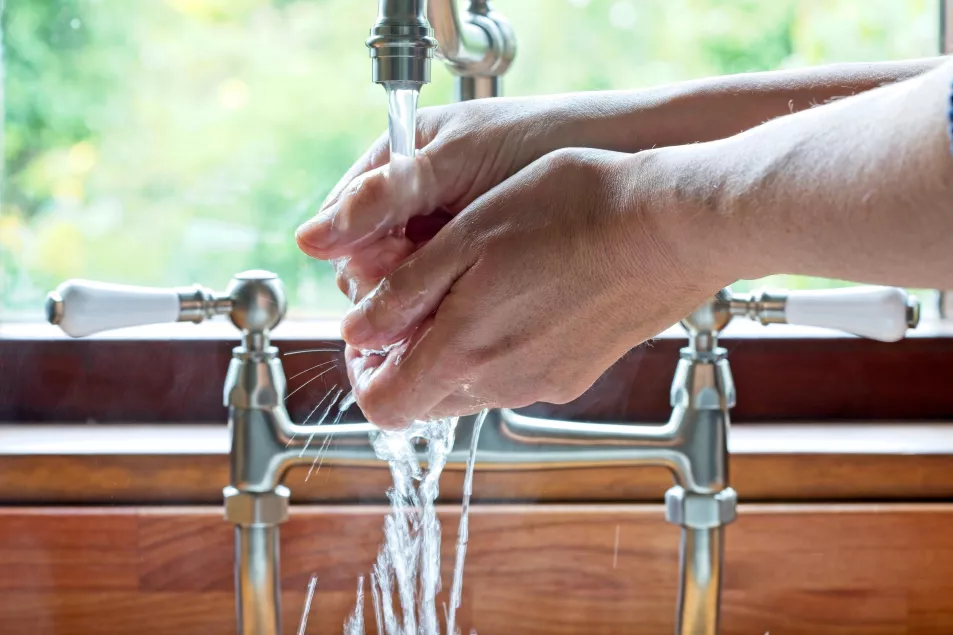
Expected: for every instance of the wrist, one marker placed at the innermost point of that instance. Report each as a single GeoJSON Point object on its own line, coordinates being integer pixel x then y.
{"type": "Point", "coordinates": [696, 212]}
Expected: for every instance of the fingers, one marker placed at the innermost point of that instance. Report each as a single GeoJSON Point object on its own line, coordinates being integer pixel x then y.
{"type": "Point", "coordinates": [360, 274]}
{"type": "Point", "coordinates": [457, 404]}
{"type": "Point", "coordinates": [376, 156]}
{"type": "Point", "coordinates": [408, 295]}
{"type": "Point", "coordinates": [405, 386]}
{"type": "Point", "coordinates": [376, 203]}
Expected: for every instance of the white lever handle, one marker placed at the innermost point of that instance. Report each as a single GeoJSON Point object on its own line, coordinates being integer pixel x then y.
{"type": "Point", "coordinates": [879, 313]}
{"type": "Point", "coordinates": [83, 307]}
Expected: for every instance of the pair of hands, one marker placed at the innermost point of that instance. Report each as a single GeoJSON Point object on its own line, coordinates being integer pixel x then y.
{"type": "Point", "coordinates": [500, 267]}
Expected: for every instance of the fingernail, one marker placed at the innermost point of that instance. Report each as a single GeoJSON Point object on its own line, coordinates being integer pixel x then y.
{"type": "Point", "coordinates": [355, 329]}
{"type": "Point", "coordinates": [318, 232]}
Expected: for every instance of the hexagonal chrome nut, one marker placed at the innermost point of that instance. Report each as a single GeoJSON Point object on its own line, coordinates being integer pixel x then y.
{"type": "Point", "coordinates": [700, 511]}
{"type": "Point", "coordinates": [256, 508]}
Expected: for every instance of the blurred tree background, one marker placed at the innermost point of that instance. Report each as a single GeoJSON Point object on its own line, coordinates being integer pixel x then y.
{"type": "Point", "coordinates": [165, 142]}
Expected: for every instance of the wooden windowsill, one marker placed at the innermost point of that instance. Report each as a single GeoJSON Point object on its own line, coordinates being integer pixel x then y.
{"type": "Point", "coordinates": [188, 464]}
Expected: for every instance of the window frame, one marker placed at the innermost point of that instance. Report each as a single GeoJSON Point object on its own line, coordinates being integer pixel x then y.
{"type": "Point", "coordinates": [174, 375]}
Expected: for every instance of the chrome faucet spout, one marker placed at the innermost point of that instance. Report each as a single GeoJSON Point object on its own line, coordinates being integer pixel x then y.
{"type": "Point", "coordinates": [401, 44]}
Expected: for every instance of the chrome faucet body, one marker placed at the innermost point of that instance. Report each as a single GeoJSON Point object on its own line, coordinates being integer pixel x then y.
{"type": "Point", "coordinates": [693, 444]}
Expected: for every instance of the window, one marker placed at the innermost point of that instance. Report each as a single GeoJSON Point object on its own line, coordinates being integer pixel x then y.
{"type": "Point", "coordinates": [179, 141]}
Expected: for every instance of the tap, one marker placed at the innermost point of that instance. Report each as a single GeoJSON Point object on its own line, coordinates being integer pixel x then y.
{"type": "Point", "coordinates": [692, 444]}
{"type": "Point", "coordinates": [401, 44]}
{"type": "Point", "coordinates": [477, 47]}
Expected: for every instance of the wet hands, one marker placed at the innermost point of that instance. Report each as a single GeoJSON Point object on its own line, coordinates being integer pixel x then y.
{"type": "Point", "coordinates": [526, 295]}
{"type": "Point", "coordinates": [382, 210]}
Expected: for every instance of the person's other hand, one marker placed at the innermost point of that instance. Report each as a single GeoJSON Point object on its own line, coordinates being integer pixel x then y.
{"type": "Point", "coordinates": [380, 212]}
{"type": "Point", "coordinates": [533, 290]}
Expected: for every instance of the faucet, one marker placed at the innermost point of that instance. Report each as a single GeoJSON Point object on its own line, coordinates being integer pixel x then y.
{"type": "Point", "coordinates": [478, 48]}
{"type": "Point", "coordinates": [693, 444]}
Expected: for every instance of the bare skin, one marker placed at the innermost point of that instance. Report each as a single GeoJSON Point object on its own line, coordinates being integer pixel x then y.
{"type": "Point", "coordinates": [557, 262]}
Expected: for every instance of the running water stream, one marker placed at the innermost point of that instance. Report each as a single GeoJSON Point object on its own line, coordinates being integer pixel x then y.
{"type": "Point", "coordinates": [408, 563]}
{"type": "Point", "coordinates": [402, 118]}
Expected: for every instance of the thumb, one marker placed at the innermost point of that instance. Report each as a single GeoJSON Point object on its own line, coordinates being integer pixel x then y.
{"type": "Point", "coordinates": [372, 206]}
{"type": "Point", "coordinates": [413, 291]}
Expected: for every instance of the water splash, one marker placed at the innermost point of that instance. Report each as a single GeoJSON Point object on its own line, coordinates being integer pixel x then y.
{"type": "Point", "coordinates": [322, 451]}
{"type": "Point", "coordinates": [312, 350]}
{"type": "Point", "coordinates": [303, 625]}
{"type": "Point", "coordinates": [463, 533]}
{"type": "Point", "coordinates": [321, 421]}
{"type": "Point", "coordinates": [408, 563]}
{"type": "Point", "coordinates": [410, 556]}
{"type": "Point", "coordinates": [355, 623]}
{"type": "Point", "coordinates": [318, 376]}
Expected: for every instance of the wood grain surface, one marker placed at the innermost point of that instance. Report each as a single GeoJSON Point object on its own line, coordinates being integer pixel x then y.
{"type": "Point", "coordinates": [790, 570]}
{"type": "Point", "coordinates": [188, 464]}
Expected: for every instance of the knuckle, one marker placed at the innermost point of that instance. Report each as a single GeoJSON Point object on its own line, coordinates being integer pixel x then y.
{"type": "Point", "coordinates": [563, 159]}
{"type": "Point", "coordinates": [451, 144]}
{"type": "Point", "coordinates": [379, 149]}
{"type": "Point", "coordinates": [374, 405]}
{"type": "Point", "coordinates": [388, 297]}
{"type": "Point", "coordinates": [369, 189]}
{"type": "Point", "coordinates": [343, 281]}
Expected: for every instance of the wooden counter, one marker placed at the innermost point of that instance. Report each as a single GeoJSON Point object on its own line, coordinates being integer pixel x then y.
{"type": "Point", "coordinates": [545, 569]}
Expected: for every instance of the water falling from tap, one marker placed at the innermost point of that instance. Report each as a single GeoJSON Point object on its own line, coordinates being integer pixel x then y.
{"type": "Point", "coordinates": [463, 533]}
{"type": "Point", "coordinates": [408, 563]}
{"type": "Point", "coordinates": [402, 117]}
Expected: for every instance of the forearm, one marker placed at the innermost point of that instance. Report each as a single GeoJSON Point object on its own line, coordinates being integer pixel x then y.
{"type": "Point", "coordinates": [861, 189]}
{"type": "Point", "coordinates": [717, 107]}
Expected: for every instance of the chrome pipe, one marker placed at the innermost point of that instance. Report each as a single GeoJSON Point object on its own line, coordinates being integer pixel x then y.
{"type": "Point", "coordinates": [467, 88]}
{"type": "Point", "coordinates": [701, 556]}
{"type": "Point", "coordinates": [257, 580]}
{"type": "Point", "coordinates": [478, 46]}
{"type": "Point", "coordinates": [460, 42]}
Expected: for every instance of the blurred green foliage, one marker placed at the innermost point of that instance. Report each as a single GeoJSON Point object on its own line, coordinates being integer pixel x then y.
{"type": "Point", "coordinates": [164, 142]}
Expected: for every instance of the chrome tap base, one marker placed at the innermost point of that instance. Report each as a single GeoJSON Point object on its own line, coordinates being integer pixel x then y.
{"type": "Point", "coordinates": [265, 444]}
{"type": "Point", "coordinates": [256, 516]}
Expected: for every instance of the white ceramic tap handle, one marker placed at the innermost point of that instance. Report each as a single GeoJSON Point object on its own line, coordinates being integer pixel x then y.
{"type": "Point", "coordinates": [83, 307]}
{"type": "Point", "coordinates": [878, 313]}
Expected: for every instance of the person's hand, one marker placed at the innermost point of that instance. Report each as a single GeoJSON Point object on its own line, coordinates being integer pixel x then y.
{"type": "Point", "coordinates": [380, 212]}
{"type": "Point", "coordinates": [532, 291]}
